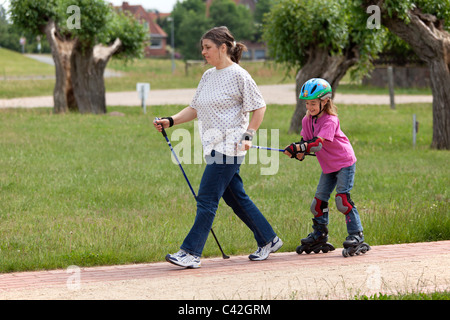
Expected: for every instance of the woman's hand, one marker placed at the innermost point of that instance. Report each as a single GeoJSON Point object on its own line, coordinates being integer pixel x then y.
{"type": "Point", "coordinates": [161, 123]}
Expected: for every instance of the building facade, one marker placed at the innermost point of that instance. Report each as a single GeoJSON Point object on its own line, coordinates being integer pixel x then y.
{"type": "Point", "coordinates": [158, 37]}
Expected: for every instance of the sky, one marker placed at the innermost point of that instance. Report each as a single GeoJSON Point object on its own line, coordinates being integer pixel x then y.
{"type": "Point", "coordinates": [164, 6]}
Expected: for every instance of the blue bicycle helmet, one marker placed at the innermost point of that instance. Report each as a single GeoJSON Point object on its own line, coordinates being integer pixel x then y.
{"type": "Point", "coordinates": [315, 88]}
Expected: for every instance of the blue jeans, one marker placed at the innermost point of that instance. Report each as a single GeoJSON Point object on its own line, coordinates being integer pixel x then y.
{"type": "Point", "coordinates": [342, 180]}
{"type": "Point", "coordinates": [221, 180]}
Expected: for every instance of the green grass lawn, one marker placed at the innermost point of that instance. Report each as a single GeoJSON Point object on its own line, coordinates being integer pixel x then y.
{"type": "Point", "coordinates": [409, 296]}
{"type": "Point", "coordinates": [14, 64]}
{"type": "Point", "coordinates": [99, 190]}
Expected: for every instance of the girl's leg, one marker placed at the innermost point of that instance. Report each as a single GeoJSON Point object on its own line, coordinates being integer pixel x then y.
{"type": "Point", "coordinates": [345, 179]}
{"type": "Point", "coordinates": [317, 240]}
{"type": "Point", "coordinates": [319, 206]}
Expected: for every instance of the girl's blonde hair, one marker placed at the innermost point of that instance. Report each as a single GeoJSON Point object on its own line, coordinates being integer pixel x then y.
{"type": "Point", "coordinates": [329, 108]}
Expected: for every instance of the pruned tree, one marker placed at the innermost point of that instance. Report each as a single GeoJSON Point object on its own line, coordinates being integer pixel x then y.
{"type": "Point", "coordinates": [320, 38]}
{"type": "Point", "coordinates": [83, 36]}
{"type": "Point", "coordinates": [422, 24]}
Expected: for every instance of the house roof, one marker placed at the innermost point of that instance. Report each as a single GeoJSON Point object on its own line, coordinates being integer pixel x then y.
{"type": "Point", "coordinates": [141, 14]}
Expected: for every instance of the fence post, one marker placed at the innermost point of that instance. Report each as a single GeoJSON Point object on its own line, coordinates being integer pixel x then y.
{"type": "Point", "coordinates": [390, 74]}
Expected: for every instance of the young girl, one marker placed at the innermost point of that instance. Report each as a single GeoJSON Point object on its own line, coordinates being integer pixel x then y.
{"type": "Point", "coordinates": [321, 134]}
{"type": "Point", "coordinates": [225, 97]}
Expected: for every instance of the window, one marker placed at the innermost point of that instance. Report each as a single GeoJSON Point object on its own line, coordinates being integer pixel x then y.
{"type": "Point", "coordinates": [156, 43]}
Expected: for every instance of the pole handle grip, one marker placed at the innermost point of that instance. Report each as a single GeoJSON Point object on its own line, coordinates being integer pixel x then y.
{"type": "Point", "coordinates": [162, 127]}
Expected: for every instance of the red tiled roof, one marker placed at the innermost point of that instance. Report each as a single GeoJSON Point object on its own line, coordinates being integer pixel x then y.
{"type": "Point", "coordinates": [141, 14]}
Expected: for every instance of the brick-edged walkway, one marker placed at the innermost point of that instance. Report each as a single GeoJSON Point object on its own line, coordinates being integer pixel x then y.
{"type": "Point", "coordinates": [236, 266]}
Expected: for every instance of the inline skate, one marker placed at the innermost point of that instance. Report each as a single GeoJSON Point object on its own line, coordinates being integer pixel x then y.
{"type": "Point", "coordinates": [354, 244]}
{"type": "Point", "coordinates": [316, 241]}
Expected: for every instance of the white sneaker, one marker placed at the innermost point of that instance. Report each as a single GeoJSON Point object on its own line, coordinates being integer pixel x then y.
{"type": "Point", "coordinates": [263, 252]}
{"type": "Point", "coordinates": [184, 259]}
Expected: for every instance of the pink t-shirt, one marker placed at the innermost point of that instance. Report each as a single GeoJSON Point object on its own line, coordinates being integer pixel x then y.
{"type": "Point", "coordinates": [336, 152]}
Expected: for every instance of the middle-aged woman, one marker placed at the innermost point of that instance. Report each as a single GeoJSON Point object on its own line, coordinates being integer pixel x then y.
{"type": "Point", "coordinates": [225, 97]}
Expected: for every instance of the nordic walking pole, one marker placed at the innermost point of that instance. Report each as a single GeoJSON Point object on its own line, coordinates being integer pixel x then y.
{"type": "Point", "coordinates": [189, 184]}
{"type": "Point", "coordinates": [280, 150]}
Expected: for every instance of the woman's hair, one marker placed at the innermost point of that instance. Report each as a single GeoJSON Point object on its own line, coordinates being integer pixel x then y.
{"type": "Point", "coordinates": [221, 35]}
{"type": "Point", "coordinates": [329, 108]}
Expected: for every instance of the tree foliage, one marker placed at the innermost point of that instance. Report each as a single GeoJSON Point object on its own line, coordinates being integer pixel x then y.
{"type": "Point", "coordinates": [100, 24]}
{"type": "Point", "coordinates": [236, 17]}
{"type": "Point", "coordinates": [401, 9]}
{"type": "Point", "coordinates": [191, 22]}
{"type": "Point", "coordinates": [293, 28]}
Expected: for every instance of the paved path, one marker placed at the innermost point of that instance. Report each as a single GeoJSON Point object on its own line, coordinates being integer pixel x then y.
{"type": "Point", "coordinates": [415, 267]}
{"type": "Point", "coordinates": [273, 94]}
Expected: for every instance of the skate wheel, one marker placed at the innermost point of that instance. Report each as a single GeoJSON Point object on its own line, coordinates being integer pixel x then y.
{"type": "Point", "coordinates": [317, 251]}
{"type": "Point", "coordinates": [347, 252]}
{"type": "Point", "coordinates": [328, 247]}
{"type": "Point", "coordinates": [365, 248]}
{"type": "Point", "coordinates": [299, 249]}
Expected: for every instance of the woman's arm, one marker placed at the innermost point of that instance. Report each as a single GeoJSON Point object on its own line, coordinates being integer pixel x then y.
{"type": "Point", "coordinates": [255, 122]}
{"type": "Point", "coordinates": [185, 115]}
{"type": "Point", "coordinates": [257, 119]}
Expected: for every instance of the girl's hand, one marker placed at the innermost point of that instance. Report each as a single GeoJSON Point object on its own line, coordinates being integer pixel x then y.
{"type": "Point", "coordinates": [300, 156]}
{"type": "Point", "coordinates": [294, 150]}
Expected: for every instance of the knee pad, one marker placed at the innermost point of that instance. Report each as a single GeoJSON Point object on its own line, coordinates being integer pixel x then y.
{"type": "Point", "coordinates": [319, 207]}
{"type": "Point", "coordinates": [343, 203]}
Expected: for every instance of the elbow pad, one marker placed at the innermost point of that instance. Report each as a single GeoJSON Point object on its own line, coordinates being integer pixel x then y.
{"type": "Point", "coordinates": [314, 145]}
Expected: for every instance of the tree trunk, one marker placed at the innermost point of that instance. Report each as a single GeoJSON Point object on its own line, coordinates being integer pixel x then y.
{"type": "Point", "coordinates": [440, 86]}
{"type": "Point", "coordinates": [426, 35]}
{"type": "Point", "coordinates": [320, 64]}
{"type": "Point", "coordinates": [63, 97]}
{"type": "Point", "coordinates": [88, 67]}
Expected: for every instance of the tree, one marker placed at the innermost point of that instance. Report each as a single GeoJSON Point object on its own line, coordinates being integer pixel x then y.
{"type": "Point", "coordinates": [237, 18]}
{"type": "Point", "coordinates": [83, 35]}
{"type": "Point", "coordinates": [261, 8]}
{"type": "Point", "coordinates": [421, 23]}
{"type": "Point", "coordinates": [320, 38]}
{"type": "Point", "coordinates": [9, 38]}
{"type": "Point", "coordinates": [191, 22]}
